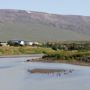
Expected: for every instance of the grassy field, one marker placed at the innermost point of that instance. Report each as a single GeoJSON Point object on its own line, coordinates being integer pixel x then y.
{"type": "Point", "coordinates": [11, 50]}
{"type": "Point", "coordinates": [73, 56]}
{"type": "Point", "coordinates": [49, 52]}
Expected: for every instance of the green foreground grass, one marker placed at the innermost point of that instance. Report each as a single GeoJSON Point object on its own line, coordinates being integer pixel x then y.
{"type": "Point", "coordinates": [11, 50]}
{"type": "Point", "coordinates": [50, 54]}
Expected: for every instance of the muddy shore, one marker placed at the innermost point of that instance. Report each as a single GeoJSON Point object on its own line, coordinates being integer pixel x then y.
{"type": "Point", "coordinates": [74, 62]}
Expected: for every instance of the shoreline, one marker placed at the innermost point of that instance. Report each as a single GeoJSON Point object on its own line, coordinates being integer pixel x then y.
{"type": "Point", "coordinates": [17, 56]}
{"type": "Point", "coordinates": [39, 59]}
{"type": "Point", "coordinates": [61, 61]}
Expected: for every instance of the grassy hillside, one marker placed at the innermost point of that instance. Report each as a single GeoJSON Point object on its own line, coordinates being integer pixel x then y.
{"type": "Point", "coordinates": [36, 26]}
{"type": "Point", "coordinates": [37, 32]}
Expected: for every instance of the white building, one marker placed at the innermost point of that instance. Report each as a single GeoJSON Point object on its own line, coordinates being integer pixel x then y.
{"type": "Point", "coordinates": [22, 43]}
{"type": "Point", "coordinates": [28, 43]}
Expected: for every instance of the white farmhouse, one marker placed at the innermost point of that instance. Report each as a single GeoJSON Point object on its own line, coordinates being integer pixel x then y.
{"type": "Point", "coordinates": [22, 43]}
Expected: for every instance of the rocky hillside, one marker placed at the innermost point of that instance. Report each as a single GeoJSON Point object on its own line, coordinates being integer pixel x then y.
{"type": "Point", "coordinates": [38, 26]}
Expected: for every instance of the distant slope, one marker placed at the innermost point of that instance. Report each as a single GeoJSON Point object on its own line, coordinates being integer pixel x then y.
{"type": "Point", "coordinates": [37, 26]}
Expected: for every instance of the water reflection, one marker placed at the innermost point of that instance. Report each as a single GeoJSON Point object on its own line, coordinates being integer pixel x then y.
{"type": "Point", "coordinates": [50, 72]}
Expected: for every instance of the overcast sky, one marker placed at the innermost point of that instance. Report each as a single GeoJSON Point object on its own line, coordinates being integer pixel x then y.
{"type": "Point", "coordinates": [77, 7]}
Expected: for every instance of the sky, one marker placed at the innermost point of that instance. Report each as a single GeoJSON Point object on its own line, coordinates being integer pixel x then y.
{"type": "Point", "coordinates": [67, 7]}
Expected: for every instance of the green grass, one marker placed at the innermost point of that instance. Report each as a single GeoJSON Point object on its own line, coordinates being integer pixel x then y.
{"type": "Point", "coordinates": [23, 50]}
{"type": "Point", "coordinates": [67, 55]}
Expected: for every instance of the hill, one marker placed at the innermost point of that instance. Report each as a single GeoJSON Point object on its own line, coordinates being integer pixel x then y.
{"type": "Point", "coordinates": [39, 26]}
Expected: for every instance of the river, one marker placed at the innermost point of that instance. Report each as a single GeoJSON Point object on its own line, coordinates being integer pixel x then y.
{"type": "Point", "coordinates": [14, 75]}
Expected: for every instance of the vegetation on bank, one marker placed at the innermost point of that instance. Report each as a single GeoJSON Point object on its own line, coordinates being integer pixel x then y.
{"type": "Point", "coordinates": [70, 51]}
{"type": "Point", "coordinates": [68, 55]}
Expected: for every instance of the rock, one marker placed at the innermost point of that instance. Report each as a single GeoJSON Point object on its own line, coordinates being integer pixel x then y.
{"type": "Point", "coordinates": [28, 60]}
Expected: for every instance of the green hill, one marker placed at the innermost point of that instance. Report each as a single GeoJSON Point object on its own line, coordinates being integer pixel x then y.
{"type": "Point", "coordinates": [37, 26]}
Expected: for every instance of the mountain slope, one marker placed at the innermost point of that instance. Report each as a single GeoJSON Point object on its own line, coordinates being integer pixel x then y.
{"type": "Point", "coordinates": [37, 26]}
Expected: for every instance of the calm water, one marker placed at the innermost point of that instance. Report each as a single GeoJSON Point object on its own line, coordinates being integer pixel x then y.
{"type": "Point", "coordinates": [14, 75]}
